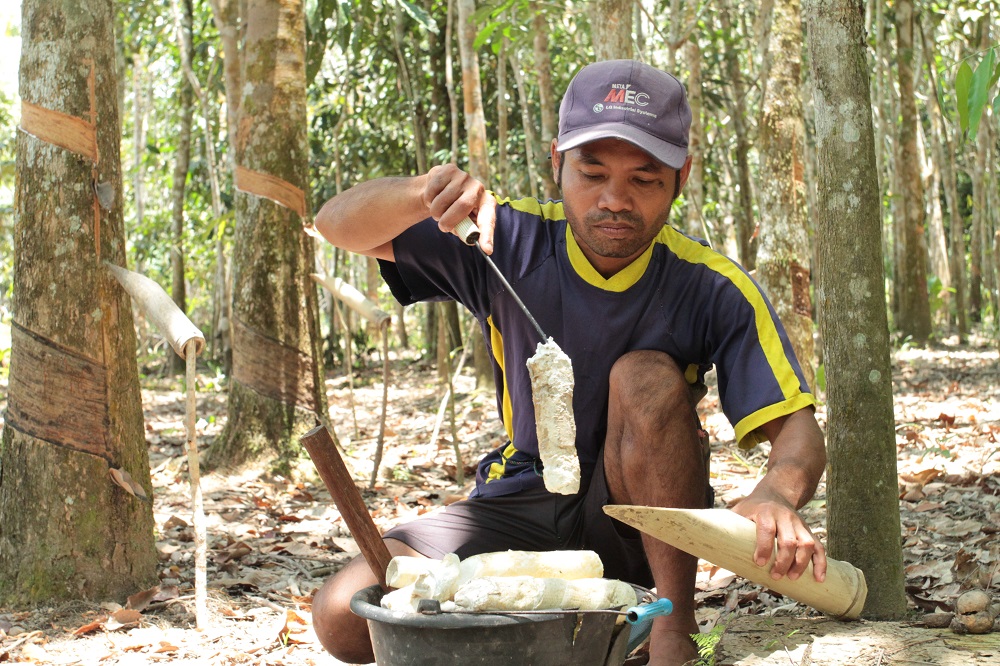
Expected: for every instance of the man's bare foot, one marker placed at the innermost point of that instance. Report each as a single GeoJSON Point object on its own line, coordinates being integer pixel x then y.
{"type": "Point", "coordinates": [670, 647]}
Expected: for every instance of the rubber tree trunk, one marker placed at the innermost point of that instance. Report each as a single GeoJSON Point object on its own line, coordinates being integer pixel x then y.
{"type": "Point", "coordinates": [475, 129]}
{"type": "Point", "coordinates": [746, 236]}
{"type": "Point", "coordinates": [182, 160]}
{"type": "Point", "coordinates": [784, 255]}
{"type": "Point", "coordinates": [276, 392]}
{"type": "Point", "coordinates": [546, 100]}
{"type": "Point", "coordinates": [611, 28]}
{"type": "Point", "coordinates": [863, 518]}
{"type": "Point", "coordinates": [911, 275]}
{"type": "Point", "coordinates": [74, 408]}
{"type": "Point", "coordinates": [226, 16]}
{"type": "Point", "coordinates": [695, 188]}
{"type": "Point", "coordinates": [887, 110]}
{"type": "Point", "coordinates": [979, 241]}
{"type": "Point", "coordinates": [528, 124]}
{"type": "Point", "coordinates": [944, 156]}
{"type": "Point", "coordinates": [503, 170]}
{"type": "Point", "coordinates": [417, 112]}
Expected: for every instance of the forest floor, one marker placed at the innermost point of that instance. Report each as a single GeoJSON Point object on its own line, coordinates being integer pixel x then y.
{"type": "Point", "coordinates": [273, 540]}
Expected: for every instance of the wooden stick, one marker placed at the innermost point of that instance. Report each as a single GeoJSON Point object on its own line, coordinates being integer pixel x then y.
{"type": "Point", "coordinates": [384, 329]}
{"type": "Point", "coordinates": [197, 504]}
{"type": "Point", "coordinates": [348, 499]}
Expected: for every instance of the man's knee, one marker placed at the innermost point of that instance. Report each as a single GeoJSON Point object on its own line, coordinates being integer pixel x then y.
{"type": "Point", "coordinates": [649, 384]}
{"type": "Point", "coordinates": [341, 632]}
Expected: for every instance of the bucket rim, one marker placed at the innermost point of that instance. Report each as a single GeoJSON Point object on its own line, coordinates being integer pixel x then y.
{"type": "Point", "coordinates": [363, 606]}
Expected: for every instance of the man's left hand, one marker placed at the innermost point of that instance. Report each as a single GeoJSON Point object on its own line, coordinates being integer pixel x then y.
{"type": "Point", "coordinates": [777, 520]}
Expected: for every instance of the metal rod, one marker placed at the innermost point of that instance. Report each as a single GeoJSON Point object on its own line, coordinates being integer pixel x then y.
{"type": "Point", "coordinates": [510, 290]}
{"type": "Point", "coordinates": [469, 233]}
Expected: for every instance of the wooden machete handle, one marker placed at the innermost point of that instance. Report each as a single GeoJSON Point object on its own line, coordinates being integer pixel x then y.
{"type": "Point", "coordinates": [347, 497]}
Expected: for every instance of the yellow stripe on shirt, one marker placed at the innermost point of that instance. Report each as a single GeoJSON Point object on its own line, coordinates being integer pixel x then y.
{"type": "Point", "coordinates": [550, 211]}
{"type": "Point", "coordinates": [496, 341]}
{"type": "Point", "coordinates": [767, 333]}
{"type": "Point", "coordinates": [620, 281]}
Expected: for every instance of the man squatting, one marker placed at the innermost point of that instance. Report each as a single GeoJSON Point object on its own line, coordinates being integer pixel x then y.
{"type": "Point", "coordinates": [642, 310]}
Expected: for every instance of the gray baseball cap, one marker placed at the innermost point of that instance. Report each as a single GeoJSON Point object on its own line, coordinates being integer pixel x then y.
{"type": "Point", "coordinates": [627, 100]}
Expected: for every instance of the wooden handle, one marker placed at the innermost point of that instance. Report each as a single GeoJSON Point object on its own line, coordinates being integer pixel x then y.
{"type": "Point", "coordinates": [348, 499]}
{"type": "Point", "coordinates": [467, 231]}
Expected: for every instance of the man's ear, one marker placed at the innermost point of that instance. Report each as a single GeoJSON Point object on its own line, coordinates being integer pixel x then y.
{"type": "Point", "coordinates": [684, 173]}
{"type": "Point", "coordinates": [556, 158]}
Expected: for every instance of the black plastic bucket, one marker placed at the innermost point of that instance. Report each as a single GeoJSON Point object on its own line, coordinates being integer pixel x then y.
{"type": "Point", "coordinates": [570, 639]}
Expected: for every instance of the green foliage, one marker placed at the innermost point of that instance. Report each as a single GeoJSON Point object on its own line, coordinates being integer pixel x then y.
{"type": "Point", "coordinates": [972, 90]}
{"type": "Point", "coordinates": [418, 14]}
{"type": "Point", "coordinates": [151, 79]}
{"type": "Point", "coordinates": [706, 644]}
{"type": "Point", "coordinates": [937, 292]}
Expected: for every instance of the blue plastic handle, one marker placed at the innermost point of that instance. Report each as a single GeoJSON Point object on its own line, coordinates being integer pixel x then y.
{"type": "Point", "coordinates": [638, 614]}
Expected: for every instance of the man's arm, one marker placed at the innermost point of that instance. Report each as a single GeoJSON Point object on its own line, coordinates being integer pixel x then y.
{"type": "Point", "coordinates": [796, 463]}
{"type": "Point", "coordinates": [366, 218]}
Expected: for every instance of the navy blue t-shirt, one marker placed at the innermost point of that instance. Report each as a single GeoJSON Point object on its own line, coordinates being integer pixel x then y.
{"type": "Point", "coordinates": [680, 297]}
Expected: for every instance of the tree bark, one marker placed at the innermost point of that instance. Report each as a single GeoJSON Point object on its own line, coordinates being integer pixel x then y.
{"type": "Point", "coordinates": [944, 156]}
{"type": "Point", "coordinates": [276, 391]}
{"type": "Point", "coordinates": [611, 28]}
{"type": "Point", "coordinates": [139, 109]}
{"type": "Point", "coordinates": [74, 408]}
{"type": "Point", "coordinates": [911, 279]}
{"type": "Point", "coordinates": [475, 129]}
{"type": "Point", "coordinates": [863, 518]}
{"type": "Point", "coordinates": [695, 189]}
{"type": "Point", "coordinates": [503, 123]}
{"type": "Point", "coordinates": [979, 242]}
{"type": "Point", "coordinates": [475, 119]}
{"type": "Point", "coordinates": [746, 233]}
{"type": "Point", "coordinates": [226, 15]}
{"type": "Point", "coordinates": [450, 80]}
{"type": "Point", "coordinates": [416, 107]}
{"type": "Point", "coordinates": [783, 257]}
{"type": "Point", "coordinates": [546, 100]}
{"type": "Point", "coordinates": [182, 161]}
{"type": "Point", "coordinates": [527, 124]}
{"type": "Point", "coordinates": [982, 223]}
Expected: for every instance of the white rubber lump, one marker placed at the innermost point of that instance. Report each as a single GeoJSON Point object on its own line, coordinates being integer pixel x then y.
{"type": "Point", "coordinates": [508, 580]}
{"type": "Point", "coordinates": [551, 375]}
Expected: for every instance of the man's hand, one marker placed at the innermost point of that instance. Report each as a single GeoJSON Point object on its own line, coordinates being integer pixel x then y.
{"type": "Point", "coordinates": [777, 520]}
{"type": "Point", "coordinates": [794, 467]}
{"type": "Point", "coordinates": [451, 195]}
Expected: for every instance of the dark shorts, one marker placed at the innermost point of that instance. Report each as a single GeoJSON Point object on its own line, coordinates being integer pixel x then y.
{"type": "Point", "coordinates": [535, 520]}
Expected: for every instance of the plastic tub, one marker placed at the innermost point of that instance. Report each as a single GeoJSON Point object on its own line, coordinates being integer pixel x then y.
{"type": "Point", "coordinates": [570, 639]}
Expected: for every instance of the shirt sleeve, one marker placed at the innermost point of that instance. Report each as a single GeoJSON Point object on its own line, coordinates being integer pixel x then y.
{"type": "Point", "coordinates": [759, 376]}
{"type": "Point", "coordinates": [433, 266]}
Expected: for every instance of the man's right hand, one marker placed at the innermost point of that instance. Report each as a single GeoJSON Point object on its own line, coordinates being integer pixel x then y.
{"type": "Point", "coordinates": [451, 195]}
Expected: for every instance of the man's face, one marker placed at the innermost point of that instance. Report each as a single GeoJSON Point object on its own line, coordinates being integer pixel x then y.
{"type": "Point", "coordinates": [617, 198]}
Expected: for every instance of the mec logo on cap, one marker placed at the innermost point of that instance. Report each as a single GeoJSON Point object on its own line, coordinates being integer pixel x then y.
{"type": "Point", "coordinates": [622, 93]}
